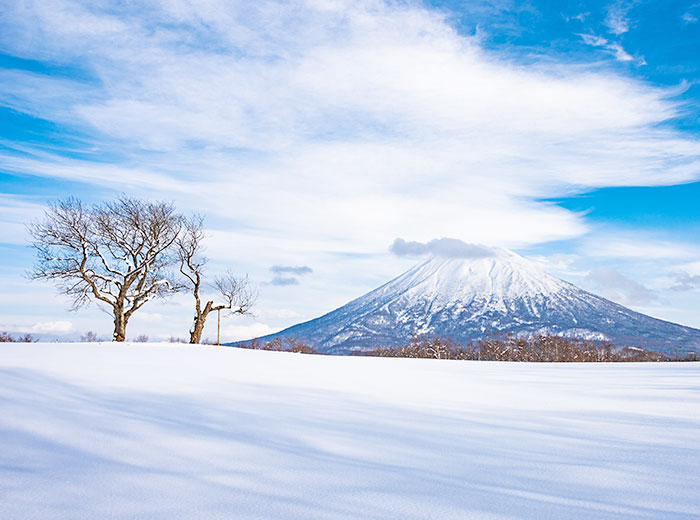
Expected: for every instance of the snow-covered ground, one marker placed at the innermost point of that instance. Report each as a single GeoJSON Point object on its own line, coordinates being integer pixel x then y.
{"type": "Point", "coordinates": [151, 431]}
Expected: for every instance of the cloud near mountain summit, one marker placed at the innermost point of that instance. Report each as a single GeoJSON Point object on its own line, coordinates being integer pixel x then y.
{"type": "Point", "coordinates": [443, 247]}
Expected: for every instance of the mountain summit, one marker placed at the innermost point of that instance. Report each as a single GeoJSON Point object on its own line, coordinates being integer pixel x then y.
{"type": "Point", "coordinates": [470, 298]}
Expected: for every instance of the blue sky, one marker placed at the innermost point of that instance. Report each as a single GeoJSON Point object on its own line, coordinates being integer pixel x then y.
{"type": "Point", "coordinates": [316, 133]}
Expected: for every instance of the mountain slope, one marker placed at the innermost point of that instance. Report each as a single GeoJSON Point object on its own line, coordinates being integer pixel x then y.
{"type": "Point", "coordinates": [465, 299]}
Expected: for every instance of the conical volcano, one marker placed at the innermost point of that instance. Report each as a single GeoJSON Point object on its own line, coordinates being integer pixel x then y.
{"type": "Point", "coordinates": [466, 299]}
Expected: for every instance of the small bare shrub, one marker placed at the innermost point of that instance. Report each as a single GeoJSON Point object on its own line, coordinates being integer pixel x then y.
{"type": "Point", "coordinates": [6, 337]}
{"type": "Point", "coordinates": [285, 344]}
{"type": "Point", "coordinates": [300, 347]}
{"type": "Point", "coordinates": [90, 337]}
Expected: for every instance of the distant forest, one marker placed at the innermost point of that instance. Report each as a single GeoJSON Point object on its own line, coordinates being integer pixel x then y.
{"type": "Point", "coordinates": [539, 349]}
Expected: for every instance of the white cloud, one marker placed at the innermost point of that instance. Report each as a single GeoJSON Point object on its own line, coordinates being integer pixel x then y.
{"type": "Point", "coordinates": [288, 274]}
{"type": "Point", "coordinates": [151, 316]}
{"type": "Point", "coordinates": [444, 247]}
{"type": "Point", "coordinates": [639, 247]}
{"type": "Point", "coordinates": [621, 288]}
{"type": "Point", "coordinates": [593, 40]}
{"type": "Point", "coordinates": [243, 332]}
{"type": "Point", "coordinates": [330, 128]}
{"type": "Point", "coordinates": [559, 264]}
{"type": "Point", "coordinates": [614, 48]}
{"type": "Point", "coordinates": [619, 52]}
{"type": "Point", "coordinates": [281, 313]}
{"type": "Point", "coordinates": [298, 270]}
{"type": "Point", "coordinates": [685, 282]}
{"type": "Point", "coordinates": [48, 327]}
{"type": "Point", "coordinates": [581, 17]}
{"type": "Point", "coordinates": [284, 281]}
{"type": "Point", "coordinates": [384, 108]}
{"type": "Point", "coordinates": [693, 268]}
{"type": "Point", "coordinates": [617, 20]}
{"type": "Point", "coordinates": [15, 214]}
{"type": "Point", "coordinates": [689, 18]}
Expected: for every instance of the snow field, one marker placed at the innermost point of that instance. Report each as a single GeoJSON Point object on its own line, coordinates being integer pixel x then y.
{"type": "Point", "coordinates": [160, 431]}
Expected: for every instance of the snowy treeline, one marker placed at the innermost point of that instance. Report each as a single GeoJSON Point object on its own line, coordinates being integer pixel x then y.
{"type": "Point", "coordinates": [541, 348]}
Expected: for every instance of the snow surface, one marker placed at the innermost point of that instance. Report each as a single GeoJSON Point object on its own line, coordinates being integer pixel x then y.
{"type": "Point", "coordinates": [158, 431]}
{"type": "Point", "coordinates": [473, 298]}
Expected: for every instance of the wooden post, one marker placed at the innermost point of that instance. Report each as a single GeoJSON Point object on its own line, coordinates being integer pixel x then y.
{"type": "Point", "coordinates": [218, 327]}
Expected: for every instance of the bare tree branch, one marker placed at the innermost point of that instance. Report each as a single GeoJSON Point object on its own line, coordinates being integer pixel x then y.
{"type": "Point", "coordinates": [237, 294]}
{"type": "Point", "coordinates": [117, 253]}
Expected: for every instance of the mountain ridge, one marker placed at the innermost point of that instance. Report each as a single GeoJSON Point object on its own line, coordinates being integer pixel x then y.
{"type": "Point", "coordinates": [465, 299]}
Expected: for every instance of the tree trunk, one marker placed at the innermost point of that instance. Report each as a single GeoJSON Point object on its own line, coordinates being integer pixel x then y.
{"type": "Point", "coordinates": [197, 329]}
{"type": "Point", "coordinates": [119, 325]}
{"type": "Point", "coordinates": [199, 321]}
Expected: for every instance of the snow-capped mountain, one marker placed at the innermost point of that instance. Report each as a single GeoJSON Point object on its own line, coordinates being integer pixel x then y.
{"type": "Point", "coordinates": [465, 299]}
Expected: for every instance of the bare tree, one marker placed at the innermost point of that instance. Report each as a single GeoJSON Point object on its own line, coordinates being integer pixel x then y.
{"type": "Point", "coordinates": [238, 297]}
{"type": "Point", "coordinates": [117, 253]}
{"type": "Point", "coordinates": [90, 337]}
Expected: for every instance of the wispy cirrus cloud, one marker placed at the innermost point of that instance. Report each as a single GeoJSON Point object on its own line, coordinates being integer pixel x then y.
{"type": "Point", "coordinates": [405, 111]}
{"type": "Point", "coordinates": [617, 20]}
{"type": "Point", "coordinates": [327, 126]}
{"type": "Point", "coordinates": [638, 245]}
{"type": "Point", "coordinates": [614, 48]}
{"type": "Point", "coordinates": [617, 23]}
{"type": "Point", "coordinates": [691, 14]}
